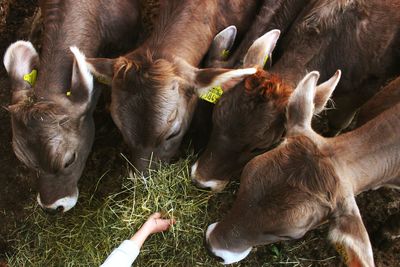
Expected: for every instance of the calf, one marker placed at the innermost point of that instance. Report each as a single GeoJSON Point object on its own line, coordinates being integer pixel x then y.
{"type": "Point", "coordinates": [52, 121]}
{"type": "Point", "coordinates": [358, 37]}
{"type": "Point", "coordinates": [154, 87]}
{"type": "Point", "coordinates": [309, 179]}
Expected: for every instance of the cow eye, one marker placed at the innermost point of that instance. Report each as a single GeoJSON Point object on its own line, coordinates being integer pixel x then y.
{"type": "Point", "coordinates": [69, 161]}
{"type": "Point", "coordinates": [174, 134]}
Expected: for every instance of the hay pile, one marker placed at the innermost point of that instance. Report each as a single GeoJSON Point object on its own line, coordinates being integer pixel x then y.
{"type": "Point", "coordinates": [87, 234]}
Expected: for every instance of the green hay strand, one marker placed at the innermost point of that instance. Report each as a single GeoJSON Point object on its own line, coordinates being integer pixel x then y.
{"type": "Point", "coordinates": [87, 234]}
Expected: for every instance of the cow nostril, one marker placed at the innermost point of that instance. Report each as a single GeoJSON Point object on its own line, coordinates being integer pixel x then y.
{"type": "Point", "coordinates": [60, 209]}
{"type": "Point", "coordinates": [50, 211]}
{"type": "Point", "coordinates": [219, 259]}
{"type": "Point", "coordinates": [194, 182]}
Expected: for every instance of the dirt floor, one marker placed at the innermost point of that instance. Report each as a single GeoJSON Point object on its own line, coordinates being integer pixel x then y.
{"type": "Point", "coordinates": [17, 184]}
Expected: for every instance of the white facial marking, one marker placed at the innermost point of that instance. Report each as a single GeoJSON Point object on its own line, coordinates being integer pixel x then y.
{"type": "Point", "coordinates": [214, 185]}
{"type": "Point", "coordinates": [227, 256]}
{"type": "Point", "coordinates": [67, 202]}
{"type": "Point", "coordinates": [193, 170]}
{"type": "Point", "coordinates": [11, 57]}
{"type": "Point", "coordinates": [83, 68]}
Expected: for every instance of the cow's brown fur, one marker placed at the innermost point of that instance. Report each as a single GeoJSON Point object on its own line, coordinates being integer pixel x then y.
{"type": "Point", "coordinates": [383, 100]}
{"type": "Point", "coordinates": [145, 101]}
{"type": "Point", "coordinates": [309, 179]}
{"type": "Point", "coordinates": [270, 86]}
{"type": "Point", "coordinates": [47, 123]}
{"type": "Point", "coordinates": [273, 14]}
{"type": "Point", "coordinates": [359, 37]}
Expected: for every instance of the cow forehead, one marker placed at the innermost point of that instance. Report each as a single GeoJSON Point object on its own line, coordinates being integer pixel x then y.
{"type": "Point", "coordinates": [297, 166]}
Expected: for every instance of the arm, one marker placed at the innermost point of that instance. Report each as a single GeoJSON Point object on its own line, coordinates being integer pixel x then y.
{"type": "Point", "coordinates": [127, 252]}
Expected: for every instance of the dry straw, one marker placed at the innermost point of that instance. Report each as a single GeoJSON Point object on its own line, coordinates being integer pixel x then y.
{"type": "Point", "coordinates": [88, 233]}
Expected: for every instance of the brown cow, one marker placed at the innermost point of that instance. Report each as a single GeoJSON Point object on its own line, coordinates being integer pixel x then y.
{"type": "Point", "coordinates": [309, 179]}
{"type": "Point", "coordinates": [52, 123]}
{"type": "Point", "coordinates": [359, 37]}
{"type": "Point", "coordinates": [154, 86]}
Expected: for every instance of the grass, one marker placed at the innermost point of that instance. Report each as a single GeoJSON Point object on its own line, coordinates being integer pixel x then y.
{"type": "Point", "coordinates": [88, 233]}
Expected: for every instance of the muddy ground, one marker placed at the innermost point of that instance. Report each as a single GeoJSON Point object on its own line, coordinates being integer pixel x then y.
{"type": "Point", "coordinates": [17, 184]}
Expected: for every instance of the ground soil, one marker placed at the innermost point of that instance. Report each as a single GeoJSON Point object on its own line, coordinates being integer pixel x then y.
{"type": "Point", "coordinates": [17, 184]}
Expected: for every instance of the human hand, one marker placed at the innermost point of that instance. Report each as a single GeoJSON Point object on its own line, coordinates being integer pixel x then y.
{"type": "Point", "coordinates": [154, 224]}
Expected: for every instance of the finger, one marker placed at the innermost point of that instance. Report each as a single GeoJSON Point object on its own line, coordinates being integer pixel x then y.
{"type": "Point", "coordinates": [155, 215]}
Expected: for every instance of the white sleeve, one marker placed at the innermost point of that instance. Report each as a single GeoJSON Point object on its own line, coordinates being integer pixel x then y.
{"type": "Point", "coordinates": [123, 256]}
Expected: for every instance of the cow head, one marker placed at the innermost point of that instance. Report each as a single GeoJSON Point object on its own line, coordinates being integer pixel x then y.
{"type": "Point", "coordinates": [248, 120]}
{"type": "Point", "coordinates": [52, 133]}
{"type": "Point", "coordinates": [291, 189]}
{"type": "Point", "coordinates": [153, 99]}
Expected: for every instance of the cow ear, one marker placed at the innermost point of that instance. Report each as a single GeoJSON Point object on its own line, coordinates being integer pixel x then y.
{"type": "Point", "coordinates": [309, 99]}
{"type": "Point", "coordinates": [102, 69]}
{"type": "Point", "coordinates": [261, 49]}
{"type": "Point", "coordinates": [217, 81]}
{"type": "Point", "coordinates": [324, 92]}
{"type": "Point", "coordinates": [349, 236]}
{"type": "Point", "coordinates": [221, 45]}
{"type": "Point", "coordinates": [82, 80]}
{"type": "Point", "coordinates": [301, 104]}
{"type": "Point", "coordinates": [21, 62]}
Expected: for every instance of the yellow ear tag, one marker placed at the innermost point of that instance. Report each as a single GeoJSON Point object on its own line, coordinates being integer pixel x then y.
{"type": "Point", "coordinates": [31, 77]}
{"type": "Point", "coordinates": [342, 251]}
{"type": "Point", "coordinates": [225, 53]}
{"type": "Point", "coordinates": [265, 60]}
{"type": "Point", "coordinates": [213, 94]}
{"type": "Point", "coordinates": [68, 93]}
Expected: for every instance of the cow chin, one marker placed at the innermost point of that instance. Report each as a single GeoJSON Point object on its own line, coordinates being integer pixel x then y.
{"type": "Point", "coordinates": [226, 256]}
{"type": "Point", "coordinates": [213, 185]}
{"type": "Point", "coordinates": [60, 205]}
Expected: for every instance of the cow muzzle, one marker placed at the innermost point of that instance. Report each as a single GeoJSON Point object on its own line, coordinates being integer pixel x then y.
{"type": "Point", "coordinates": [60, 205]}
{"type": "Point", "coordinates": [223, 255]}
{"type": "Point", "coordinates": [213, 185]}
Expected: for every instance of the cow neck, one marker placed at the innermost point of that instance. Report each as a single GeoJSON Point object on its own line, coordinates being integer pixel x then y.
{"type": "Point", "coordinates": [369, 156]}
{"type": "Point", "coordinates": [186, 31]}
{"type": "Point", "coordinates": [61, 31]}
{"type": "Point", "coordinates": [277, 14]}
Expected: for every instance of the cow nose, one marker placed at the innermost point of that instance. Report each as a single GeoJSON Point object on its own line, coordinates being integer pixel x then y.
{"type": "Point", "coordinates": [199, 185]}
{"type": "Point", "coordinates": [60, 209]}
{"type": "Point", "coordinates": [50, 211]}
{"type": "Point", "coordinates": [209, 250]}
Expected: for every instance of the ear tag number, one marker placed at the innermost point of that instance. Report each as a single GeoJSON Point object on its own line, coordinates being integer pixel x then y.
{"type": "Point", "coordinates": [342, 251]}
{"type": "Point", "coordinates": [31, 77]}
{"type": "Point", "coordinates": [68, 93]}
{"type": "Point", "coordinates": [213, 94]}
